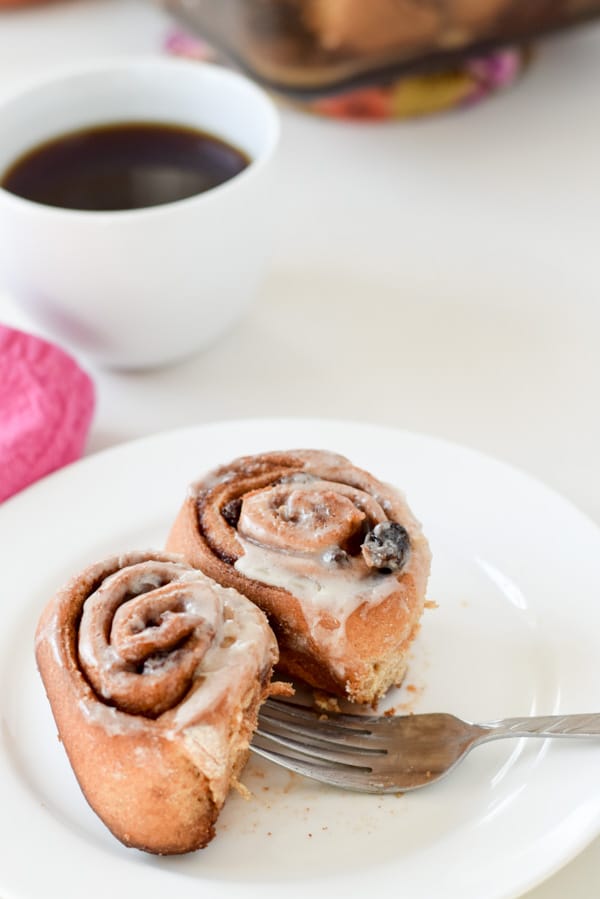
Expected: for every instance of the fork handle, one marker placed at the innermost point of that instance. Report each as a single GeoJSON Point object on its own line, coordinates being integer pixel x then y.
{"type": "Point", "coordinates": [544, 726]}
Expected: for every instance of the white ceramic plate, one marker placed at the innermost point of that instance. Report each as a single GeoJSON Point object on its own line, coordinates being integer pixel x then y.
{"type": "Point", "coordinates": [517, 580]}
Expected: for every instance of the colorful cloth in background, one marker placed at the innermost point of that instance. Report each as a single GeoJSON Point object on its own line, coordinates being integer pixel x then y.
{"type": "Point", "coordinates": [410, 96]}
{"type": "Point", "coordinates": [46, 408]}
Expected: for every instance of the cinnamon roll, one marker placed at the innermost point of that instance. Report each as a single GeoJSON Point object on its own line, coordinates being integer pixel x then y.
{"type": "Point", "coordinates": [333, 556]}
{"type": "Point", "coordinates": [155, 675]}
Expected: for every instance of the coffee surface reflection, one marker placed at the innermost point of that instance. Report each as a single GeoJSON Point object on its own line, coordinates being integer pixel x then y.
{"type": "Point", "coordinates": [131, 165]}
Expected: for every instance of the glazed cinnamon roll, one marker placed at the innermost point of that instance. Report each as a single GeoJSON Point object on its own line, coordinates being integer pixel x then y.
{"type": "Point", "coordinates": [333, 556]}
{"type": "Point", "coordinates": [155, 675]}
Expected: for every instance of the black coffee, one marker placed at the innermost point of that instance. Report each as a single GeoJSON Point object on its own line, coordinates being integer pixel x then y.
{"type": "Point", "coordinates": [123, 166]}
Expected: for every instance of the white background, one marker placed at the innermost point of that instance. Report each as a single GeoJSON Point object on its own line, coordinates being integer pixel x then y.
{"type": "Point", "coordinates": [441, 276]}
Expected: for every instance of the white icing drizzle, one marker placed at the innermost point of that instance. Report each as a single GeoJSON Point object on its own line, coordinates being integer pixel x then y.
{"type": "Point", "coordinates": [328, 597]}
{"type": "Point", "coordinates": [330, 593]}
{"type": "Point", "coordinates": [245, 645]}
{"type": "Point", "coordinates": [245, 649]}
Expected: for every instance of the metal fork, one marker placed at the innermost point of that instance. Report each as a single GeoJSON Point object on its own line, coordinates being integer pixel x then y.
{"type": "Point", "coordinates": [389, 754]}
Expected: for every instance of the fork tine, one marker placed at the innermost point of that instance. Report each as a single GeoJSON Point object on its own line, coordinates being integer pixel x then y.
{"type": "Point", "coordinates": [339, 775]}
{"type": "Point", "coordinates": [310, 745]}
{"type": "Point", "coordinates": [359, 723]}
{"type": "Point", "coordinates": [348, 730]}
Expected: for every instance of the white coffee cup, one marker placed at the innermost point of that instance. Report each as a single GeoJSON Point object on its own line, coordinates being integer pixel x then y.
{"type": "Point", "coordinates": [139, 288]}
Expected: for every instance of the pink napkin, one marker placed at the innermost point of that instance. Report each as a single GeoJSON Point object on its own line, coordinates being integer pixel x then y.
{"type": "Point", "coordinates": [46, 407]}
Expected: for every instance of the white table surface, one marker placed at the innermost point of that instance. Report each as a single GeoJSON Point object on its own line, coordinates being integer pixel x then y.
{"type": "Point", "coordinates": [441, 276]}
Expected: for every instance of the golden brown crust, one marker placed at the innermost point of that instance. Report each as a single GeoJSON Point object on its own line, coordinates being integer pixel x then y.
{"type": "Point", "coordinates": [145, 776]}
{"type": "Point", "coordinates": [374, 26]}
{"type": "Point", "coordinates": [377, 633]}
{"type": "Point", "coordinates": [407, 27]}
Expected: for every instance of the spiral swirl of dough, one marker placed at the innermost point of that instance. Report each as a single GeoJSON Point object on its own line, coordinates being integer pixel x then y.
{"type": "Point", "coordinates": [306, 516]}
{"type": "Point", "coordinates": [143, 633]}
{"type": "Point", "coordinates": [304, 503]}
